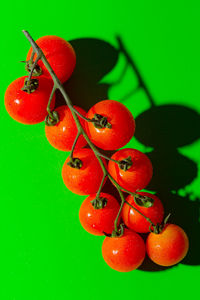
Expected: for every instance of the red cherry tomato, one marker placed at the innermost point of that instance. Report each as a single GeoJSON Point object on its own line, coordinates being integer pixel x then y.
{"type": "Point", "coordinates": [133, 220]}
{"type": "Point", "coordinates": [121, 121]}
{"type": "Point", "coordinates": [125, 253]}
{"type": "Point", "coordinates": [87, 179]}
{"type": "Point", "coordinates": [62, 135]}
{"type": "Point", "coordinates": [60, 55]}
{"type": "Point", "coordinates": [137, 176]}
{"type": "Point", "coordinates": [28, 108]}
{"type": "Point", "coordinates": [168, 247]}
{"type": "Point", "coordinates": [97, 221]}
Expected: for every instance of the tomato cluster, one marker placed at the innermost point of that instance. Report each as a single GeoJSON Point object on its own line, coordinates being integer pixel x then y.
{"type": "Point", "coordinates": [108, 125]}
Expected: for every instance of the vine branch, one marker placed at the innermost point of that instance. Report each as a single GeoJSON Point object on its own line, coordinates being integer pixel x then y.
{"type": "Point", "coordinates": [75, 114]}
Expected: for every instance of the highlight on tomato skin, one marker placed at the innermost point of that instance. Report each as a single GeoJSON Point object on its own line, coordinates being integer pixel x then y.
{"type": "Point", "coordinates": [122, 125]}
{"type": "Point", "coordinates": [62, 135]}
{"type": "Point", "coordinates": [101, 220]}
{"type": "Point", "coordinates": [135, 178]}
{"type": "Point", "coordinates": [125, 253]}
{"type": "Point", "coordinates": [87, 179]}
{"type": "Point", "coordinates": [135, 221]}
{"type": "Point", "coordinates": [60, 55]}
{"type": "Point", "coordinates": [168, 247]}
{"type": "Point", "coordinates": [28, 108]}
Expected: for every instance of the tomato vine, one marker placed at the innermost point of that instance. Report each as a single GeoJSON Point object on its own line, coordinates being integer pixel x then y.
{"type": "Point", "coordinates": [52, 119]}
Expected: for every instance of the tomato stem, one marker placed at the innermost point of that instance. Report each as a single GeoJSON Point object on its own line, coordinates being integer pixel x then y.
{"type": "Point", "coordinates": [108, 158]}
{"type": "Point", "coordinates": [125, 164]}
{"type": "Point", "coordinates": [52, 118]}
{"type": "Point", "coordinates": [74, 144]}
{"type": "Point", "coordinates": [58, 85]}
{"type": "Point", "coordinates": [80, 115]}
{"type": "Point", "coordinates": [32, 56]}
{"type": "Point", "coordinates": [100, 121]}
{"type": "Point", "coordinates": [100, 187]}
{"type": "Point", "coordinates": [50, 99]}
{"type": "Point", "coordinates": [75, 163]}
{"type": "Point", "coordinates": [120, 209]}
{"type": "Point", "coordinates": [33, 67]}
{"type": "Point", "coordinates": [140, 213]}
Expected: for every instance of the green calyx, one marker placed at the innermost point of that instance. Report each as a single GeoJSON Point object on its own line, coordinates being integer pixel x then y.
{"type": "Point", "coordinates": [30, 85]}
{"type": "Point", "coordinates": [119, 232]}
{"type": "Point", "coordinates": [158, 228]}
{"type": "Point", "coordinates": [116, 233]}
{"type": "Point", "coordinates": [126, 163]}
{"type": "Point", "coordinates": [52, 118]}
{"type": "Point", "coordinates": [75, 163]}
{"type": "Point", "coordinates": [99, 203]}
{"type": "Point", "coordinates": [37, 71]}
{"type": "Point", "coordinates": [143, 201]}
{"type": "Point", "coordinates": [101, 122]}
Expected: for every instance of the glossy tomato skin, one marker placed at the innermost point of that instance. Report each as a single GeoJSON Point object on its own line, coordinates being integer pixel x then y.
{"type": "Point", "coordinates": [125, 253]}
{"type": "Point", "coordinates": [121, 119]}
{"type": "Point", "coordinates": [168, 247]}
{"type": "Point", "coordinates": [87, 179]}
{"type": "Point", "coordinates": [61, 136]}
{"type": "Point", "coordinates": [133, 220]}
{"type": "Point", "coordinates": [60, 55]}
{"type": "Point", "coordinates": [28, 108]}
{"type": "Point", "coordinates": [97, 221]}
{"type": "Point", "coordinates": [138, 176]}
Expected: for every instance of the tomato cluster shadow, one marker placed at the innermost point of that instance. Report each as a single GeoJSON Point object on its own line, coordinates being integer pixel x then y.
{"type": "Point", "coordinates": [166, 129]}
{"type": "Point", "coordinates": [95, 59]}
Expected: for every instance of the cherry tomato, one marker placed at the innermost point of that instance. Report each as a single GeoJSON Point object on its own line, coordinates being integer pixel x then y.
{"type": "Point", "coordinates": [28, 108]}
{"type": "Point", "coordinates": [168, 247]}
{"type": "Point", "coordinates": [137, 176]}
{"type": "Point", "coordinates": [87, 179]}
{"type": "Point", "coordinates": [62, 135]}
{"type": "Point", "coordinates": [121, 122]}
{"type": "Point", "coordinates": [60, 55]}
{"type": "Point", "coordinates": [125, 253]}
{"type": "Point", "coordinates": [133, 220]}
{"type": "Point", "coordinates": [97, 221]}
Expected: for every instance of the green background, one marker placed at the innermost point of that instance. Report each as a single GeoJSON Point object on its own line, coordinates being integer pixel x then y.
{"type": "Point", "coordinates": [44, 253]}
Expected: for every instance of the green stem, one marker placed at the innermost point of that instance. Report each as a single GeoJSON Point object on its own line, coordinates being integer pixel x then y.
{"type": "Point", "coordinates": [58, 85]}
{"type": "Point", "coordinates": [119, 186]}
{"type": "Point", "coordinates": [100, 187]}
{"type": "Point", "coordinates": [74, 144]}
{"type": "Point", "coordinates": [80, 115]}
{"type": "Point", "coordinates": [33, 66]}
{"type": "Point", "coordinates": [120, 209]}
{"type": "Point", "coordinates": [50, 99]}
{"type": "Point", "coordinates": [139, 212]}
{"type": "Point", "coordinates": [32, 56]}
{"type": "Point", "coordinates": [108, 158]}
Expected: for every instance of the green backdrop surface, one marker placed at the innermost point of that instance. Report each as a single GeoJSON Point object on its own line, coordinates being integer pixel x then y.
{"type": "Point", "coordinates": [45, 254]}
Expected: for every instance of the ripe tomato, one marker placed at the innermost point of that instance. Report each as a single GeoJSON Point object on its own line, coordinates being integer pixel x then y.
{"type": "Point", "coordinates": [125, 253]}
{"type": "Point", "coordinates": [133, 220]}
{"type": "Point", "coordinates": [28, 108]}
{"type": "Point", "coordinates": [168, 247]}
{"type": "Point", "coordinates": [62, 135]}
{"type": "Point", "coordinates": [97, 221]}
{"type": "Point", "coordinates": [60, 55]}
{"type": "Point", "coordinates": [137, 176]}
{"type": "Point", "coordinates": [87, 179]}
{"type": "Point", "coordinates": [121, 121]}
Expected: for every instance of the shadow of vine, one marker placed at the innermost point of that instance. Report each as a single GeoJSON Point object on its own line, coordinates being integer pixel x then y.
{"type": "Point", "coordinates": [165, 128]}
